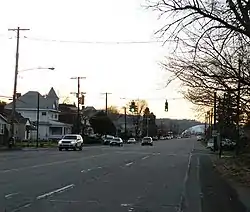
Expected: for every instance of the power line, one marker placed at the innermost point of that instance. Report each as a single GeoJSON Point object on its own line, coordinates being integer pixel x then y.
{"type": "Point", "coordinates": [91, 42]}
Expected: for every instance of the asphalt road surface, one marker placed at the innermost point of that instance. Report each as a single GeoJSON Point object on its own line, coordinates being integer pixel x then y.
{"type": "Point", "coordinates": [172, 176]}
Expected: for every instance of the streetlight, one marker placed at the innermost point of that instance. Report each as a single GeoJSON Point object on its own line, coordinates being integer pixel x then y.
{"type": "Point", "coordinates": [14, 96]}
{"type": "Point", "coordinates": [37, 68]}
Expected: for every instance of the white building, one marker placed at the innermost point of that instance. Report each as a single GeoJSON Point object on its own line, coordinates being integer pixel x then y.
{"type": "Point", "coordinates": [49, 126]}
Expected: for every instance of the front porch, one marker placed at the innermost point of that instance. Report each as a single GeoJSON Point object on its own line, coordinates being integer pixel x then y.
{"type": "Point", "coordinates": [58, 129]}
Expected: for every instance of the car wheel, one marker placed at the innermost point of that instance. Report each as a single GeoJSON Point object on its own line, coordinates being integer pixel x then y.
{"type": "Point", "coordinates": [80, 148]}
{"type": "Point", "coordinates": [60, 149]}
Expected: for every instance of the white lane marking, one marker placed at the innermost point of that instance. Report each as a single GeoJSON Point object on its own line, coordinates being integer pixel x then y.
{"type": "Point", "coordinates": [88, 170]}
{"type": "Point", "coordinates": [157, 153]}
{"type": "Point", "coordinates": [145, 157]}
{"type": "Point", "coordinates": [55, 191]}
{"type": "Point", "coordinates": [8, 196]}
{"type": "Point", "coordinates": [22, 207]}
{"type": "Point", "coordinates": [49, 164]}
{"type": "Point", "coordinates": [129, 164]}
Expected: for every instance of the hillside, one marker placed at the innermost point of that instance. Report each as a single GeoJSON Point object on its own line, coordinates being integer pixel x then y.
{"type": "Point", "coordinates": [178, 124]}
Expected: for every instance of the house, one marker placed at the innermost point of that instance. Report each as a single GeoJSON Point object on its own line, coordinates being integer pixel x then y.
{"type": "Point", "coordinates": [3, 130]}
{"type": "Point", "coordinates": [22, 126]}
{"type": "Point", "coordinates": [49, 127]}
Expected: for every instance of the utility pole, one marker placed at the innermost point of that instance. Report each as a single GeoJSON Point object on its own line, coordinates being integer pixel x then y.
{"type": "Point", "coordinates": [147, 126]}
{"type": "Point", "coordinates": [106, 102]}
{"type": "Point", "coordinates": [125, 119]}
{"type": "Point", "coordinates": [78, 101]}
{"type": "Point", "coordinates": [37, 118]}
{"type": "Point", "coordinates": [18, 29]}
{"type": "Point", "coordinates": [215, 126]}
{"type": "Point", "coordinates": [238, 108]}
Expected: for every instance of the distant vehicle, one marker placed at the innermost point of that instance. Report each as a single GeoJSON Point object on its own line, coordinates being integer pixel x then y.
{"type": "Point", "coordinates": [71, 141]}
{"type": "Point", "coordinates": [116, 142]}
{"type": "Point", "coordinates": [107, 138]}
{"type": "Point", "coordinates": [210, 144]}
{"type": "Point", "coordinates": [155, 138]}
{"type": "Point", "coordinates": [199, 138]}
{"type": "Point", "coordinates": [147, 141]}
{"type": "Point", "coordinates": [131, 141]}
{"type": "Point", "coordinates": [178, 137]}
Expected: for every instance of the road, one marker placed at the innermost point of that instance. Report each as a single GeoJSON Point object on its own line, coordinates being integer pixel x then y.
{"type": "Point", "coordinates": [173, 175]}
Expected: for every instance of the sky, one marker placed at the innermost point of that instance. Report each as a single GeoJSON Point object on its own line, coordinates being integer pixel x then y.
{"type": "Point", "coordinates": [93, 30]}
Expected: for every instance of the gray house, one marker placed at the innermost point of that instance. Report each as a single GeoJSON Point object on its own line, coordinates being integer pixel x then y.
{"type": "Point", "coordinates": [28, 106]}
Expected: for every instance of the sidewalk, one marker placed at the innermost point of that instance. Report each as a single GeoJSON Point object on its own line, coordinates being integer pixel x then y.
{"type": "Point", "coordinates": [219, 193]}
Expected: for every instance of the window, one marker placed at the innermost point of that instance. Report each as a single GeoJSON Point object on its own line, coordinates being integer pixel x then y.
{"type": "Point", "coordinates": [2, 126]}
{"type": "Point", "coordinates": [56, 116]}
{"type": "Point", "coordinates": [43, 113]}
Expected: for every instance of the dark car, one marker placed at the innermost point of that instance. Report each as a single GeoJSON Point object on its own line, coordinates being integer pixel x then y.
{"type": "Point", "coordinates": [147, 141]}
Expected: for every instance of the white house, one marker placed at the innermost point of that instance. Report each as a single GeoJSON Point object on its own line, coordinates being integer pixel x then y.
{"type": "Point", "coordinates": [3, 127]}
{"type": "Point", "coordinates": [49, 127]}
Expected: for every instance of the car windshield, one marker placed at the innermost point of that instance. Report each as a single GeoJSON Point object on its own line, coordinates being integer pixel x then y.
{"type": "Point", "coordinates": [70, 137]}
{"type": "Point", "coordinates": [147, 139]}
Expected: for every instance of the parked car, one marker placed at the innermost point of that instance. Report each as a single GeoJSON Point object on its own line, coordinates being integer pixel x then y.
{"type": "Point", "coordinates": [107, 138]}
{"type": "Point", "coordinates": [71, 141]}
{"type": "Point", "coordinates": [210, 144]}
{"type": "Point", "coordinates": [147, 141]}
{"type": "Point", "coordinates": [199, 138]}
{"type": "Point", "coordinates": [131, 141]}
{"type": "Point", "coordinates": [116, 142]}
{"type": "Point", "coordinates": [155, 138]}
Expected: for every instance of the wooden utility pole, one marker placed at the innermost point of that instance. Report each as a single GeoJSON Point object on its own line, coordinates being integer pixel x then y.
{"type": "Point", "coordinates": [78, 96]}
{"type": "Point", "coordinates": [215, 124]}
{"type": "Point", "coordinates": [125, 119]}
{"type": "Point", "coordinates": [18, 29]}
{"type": "Point", "coordinates": [106, 102]}
{"type": "Point", "coordinates": [37, 118]}
{"type": "Point", "coordinates": [238, 108]}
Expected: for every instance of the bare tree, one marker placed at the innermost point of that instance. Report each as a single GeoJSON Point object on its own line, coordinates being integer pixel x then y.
{"type": "Point", "coordinates": [197, 18]}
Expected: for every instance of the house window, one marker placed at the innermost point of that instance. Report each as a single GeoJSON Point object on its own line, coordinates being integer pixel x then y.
{"type": "Point", "coordinates": [56, 116]}
{"type": "Point", "coordinates": [2, 126]}
{"type": "Point", "coordinates": [52, 116]}
{"type": "Point", "coordinates": [56, 130]}
{"type": "Point", "coordinates": [43, 113]}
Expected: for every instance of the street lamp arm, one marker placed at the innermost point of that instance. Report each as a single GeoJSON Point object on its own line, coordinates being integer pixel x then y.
{"type": "Point", "coordinates": [30, 69]}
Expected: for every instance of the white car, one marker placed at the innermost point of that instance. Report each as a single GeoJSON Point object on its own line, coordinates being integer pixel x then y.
{"type": "Point", "coordinates": [147, 141]}
{"type": "Point", "coordinates": [71, 141]}
{"type": "Point", "coordinates": [116, 142]}
{"type": "Point", "coordinates": [131, 141]}
{"type": "Point", "coordinates": [107, 138]}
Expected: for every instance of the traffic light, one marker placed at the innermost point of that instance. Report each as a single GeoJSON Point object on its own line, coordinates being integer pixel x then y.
{"type": "Point", "coordinates": [166, 105]}
{"type": "Point", "coordinates": [82, 100]}
{"type": "Point", "coordinates": [132, 107]}
{"type": "Point", "coordinates": [136, 109]}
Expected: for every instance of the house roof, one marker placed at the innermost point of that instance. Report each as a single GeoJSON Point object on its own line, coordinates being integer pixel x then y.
{"type": "Point", "coordinates": [6, 114]}
{"type": "Point", "coordinates": [52, 94]}
{"type": "Point", "coordinates": [89, 111]}
{"type": "Point", "coordinates": [30, 99]}
{"type": "Point", "coordinates": [3, 118]}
